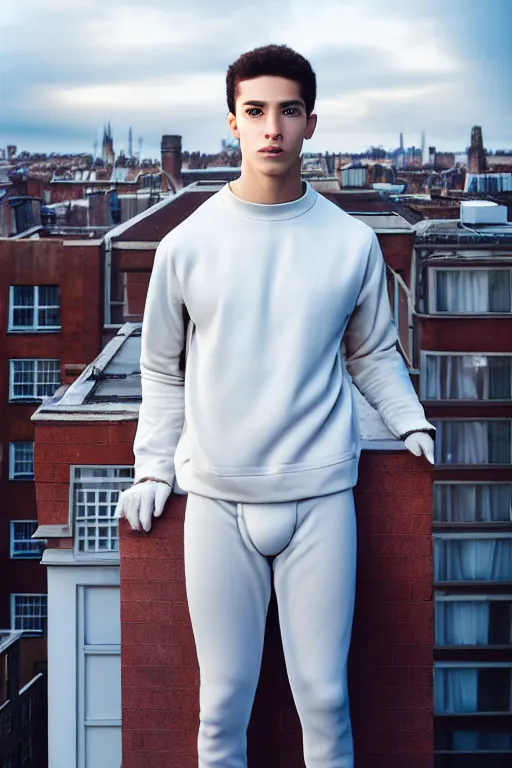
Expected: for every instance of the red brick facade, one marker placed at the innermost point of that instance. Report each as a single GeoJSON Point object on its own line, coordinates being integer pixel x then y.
{"type": "Point", "coordinates": [77, 270]}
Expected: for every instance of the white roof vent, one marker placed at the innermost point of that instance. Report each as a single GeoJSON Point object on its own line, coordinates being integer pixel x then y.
{"type": "Point", "coordinates": [482, 212]}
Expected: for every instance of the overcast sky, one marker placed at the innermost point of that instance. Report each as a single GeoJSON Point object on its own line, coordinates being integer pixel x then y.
{"type": "Point", "coordinates": [67, 66]}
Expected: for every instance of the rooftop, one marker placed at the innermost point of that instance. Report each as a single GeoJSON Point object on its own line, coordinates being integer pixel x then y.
{"type": "Point", "coordinates": [8, 637]}
{"type": "Point", "coordinates": [452, 231]}
{"type": "Point", "coordinates": [109, 389]}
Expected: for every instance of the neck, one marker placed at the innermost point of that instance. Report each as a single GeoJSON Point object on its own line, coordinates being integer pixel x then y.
{"type": "Point", "coordinates": [255, 187]}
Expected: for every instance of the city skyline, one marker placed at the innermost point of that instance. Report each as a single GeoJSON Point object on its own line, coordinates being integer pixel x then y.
{"type": "Point", "coordinates": [66, 70]}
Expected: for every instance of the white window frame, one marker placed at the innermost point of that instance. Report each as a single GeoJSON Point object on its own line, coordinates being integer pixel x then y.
{"type": "Point", "coordinates": [74, 525]}
{"type": "Point", "coordinates": [424, 353]}
{"type": "Point", "coordinates": [462, 268]}
{"type": "Point", "coordinates": [438, 422]}
{"type": "Point", "coordinates": [12, 461]}
{"type": "Point", "coordinates": [38, 544]}
{"type": "Point", "coordinates": [36, 360]}
{"type": "Point", "coordinates": [474, 665]}
{"type": "Point", "coordinates": [13, 597]}
{"type": "Point", "coordinates": [36, 307]}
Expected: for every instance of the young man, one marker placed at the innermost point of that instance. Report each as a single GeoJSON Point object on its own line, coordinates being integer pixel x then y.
{"type": "Point", "coordinates": [261, 432]}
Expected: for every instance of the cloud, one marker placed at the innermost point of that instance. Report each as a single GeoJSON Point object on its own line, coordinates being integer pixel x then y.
{"type": "Point", "coordinates": [160, 66]}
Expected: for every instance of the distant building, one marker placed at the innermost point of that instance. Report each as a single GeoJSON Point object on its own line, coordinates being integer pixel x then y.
{"type": "Point", "coordinates": [107, 146]}
{"type": "Point", "coordinates": [476, 152]}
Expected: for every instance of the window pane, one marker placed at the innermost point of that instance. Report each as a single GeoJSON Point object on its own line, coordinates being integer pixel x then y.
{"type": "Point", "coordinates": [30, 611]}
{"type": "Point", "coordinates": [49, 296]}
{"type": "Point", "coordinates": [467, 377]}
{"type": "Point", "coordinates": [473, 622]}
{"type": "Point", "coordinates": [460, 741]}
{"type": "Point", "coordinates": [22, 543]}
{"type": "Point", "coordinates": [473, 442]}
{"type": "Point", "coordinates": [473, 290]}
{"type": "Point", "coordinates": [465, 690]}
{"type": "Point", "coordinates": [23, 460]}
{"type": "Point", "coordinates": [96, 493]}
{"type": "Point", "coordinates": [23, 305]}
{"type": "Point", "coordinates": [472, 761]}
{"type": "Point", "coordinates": [472, 503]}
{"type": "Point", "coordinates": [23, 377]}
{"type": "Point", "coordinates": [48, 316]}
{"type": "Point", "coordinates": [48, 377]}
{"type": "Point", "coordinates": [480, 559]}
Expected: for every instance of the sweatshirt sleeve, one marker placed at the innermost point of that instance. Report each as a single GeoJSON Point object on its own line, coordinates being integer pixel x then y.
{"type": "Point", "coordinates": [376, 366]}
{"type": "Point", "coordinates": [161, 414]}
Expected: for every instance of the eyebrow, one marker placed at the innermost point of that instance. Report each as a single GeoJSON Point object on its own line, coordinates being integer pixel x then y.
{"type": "Point", "coordinates": [293, 103]}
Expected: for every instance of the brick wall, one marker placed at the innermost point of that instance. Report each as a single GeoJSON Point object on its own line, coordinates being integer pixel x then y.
{"type": "Point", "coordinates": [77, 270]}
{"type": "Point", "coordinates": [391, 653]}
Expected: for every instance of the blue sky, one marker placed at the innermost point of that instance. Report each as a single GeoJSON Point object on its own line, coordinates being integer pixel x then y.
{"type": "Point", "coordinates": [67, 66]}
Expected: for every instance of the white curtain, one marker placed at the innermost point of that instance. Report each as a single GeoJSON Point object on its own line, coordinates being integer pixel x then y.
{"type": "Point", "coordinates": [469, 503]}
{"type": "Point", "coordinates": [455, 690]}
{"type": "Point", "coordinates": [472, 559]}
{"type": "Point", "coordinates": [462, 622]}
{"type": "Point", "coordinates": [473, 290]}
{"type": "Point", "coordinates": [473, 442]}
{"type": "Point", "coordinates": [468, 377]}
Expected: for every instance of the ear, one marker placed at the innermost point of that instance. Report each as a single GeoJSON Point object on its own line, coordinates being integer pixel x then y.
{"type": "Point", "coordinates": [233, 127]}
{"type": "Point", "coordinates": [311, 125]}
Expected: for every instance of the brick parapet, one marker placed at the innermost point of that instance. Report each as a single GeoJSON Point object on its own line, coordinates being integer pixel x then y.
{"type": "Point", "coordinates": [391, 660]}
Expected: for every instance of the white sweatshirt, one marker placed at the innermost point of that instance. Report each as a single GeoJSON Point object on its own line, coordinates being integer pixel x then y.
{"type": "Point", "coordinates": [265, 412]}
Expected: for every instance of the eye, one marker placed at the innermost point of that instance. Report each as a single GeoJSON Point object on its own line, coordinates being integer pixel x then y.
{"type": "Point", "coordinates": [252, 109]}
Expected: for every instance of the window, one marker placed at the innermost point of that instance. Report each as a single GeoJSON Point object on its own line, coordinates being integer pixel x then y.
{"type": "Point", "coordinates": [485, 557]}
{"type": "Point", "coordinates": [476, 741]}
{"type": "Point", "coordinates": [21, 461]}
{"type": "Point", "coordinates": [22, 544]}
{"type": "Point", "coordinates": [471, 290]}
{"type": "Point", "coordinates": [33, 379]}
{"type": "Point", "coordinates": [473, 620]}
{"type": "Point", "coordinates": [466, 377]}
{"type": "Point", "coordinates": [28, 612]}
{"type": "Point", "coordinates": [95, 494]}
{"type": "Point", "coordinates": [473, 442]}
{"type": "Point", "coordinates": [473, 503]}
{"type": "Point", "coordinates": [472, 749]}
{"type": "Point", "coordinates": [467, 688]}
{"type": "Point", "coordinates": [34, 307]}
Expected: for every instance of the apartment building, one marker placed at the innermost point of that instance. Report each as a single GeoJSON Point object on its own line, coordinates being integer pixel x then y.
{"type": "Point", "coordinates": [50, 328]}
{"type": "Point", "coordinates": [463, 290]}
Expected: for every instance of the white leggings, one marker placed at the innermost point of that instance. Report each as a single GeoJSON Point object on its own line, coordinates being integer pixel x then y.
{"type": "Point", "coordinates": [228, 548]}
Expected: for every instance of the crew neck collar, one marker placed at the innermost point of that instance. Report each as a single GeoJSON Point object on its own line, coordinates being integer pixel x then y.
{"type": "Point", "coordinates": [272, 212]}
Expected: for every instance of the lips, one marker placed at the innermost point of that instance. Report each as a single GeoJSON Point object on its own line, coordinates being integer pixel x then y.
{"type": "Point", "coordinates": [271, 150]}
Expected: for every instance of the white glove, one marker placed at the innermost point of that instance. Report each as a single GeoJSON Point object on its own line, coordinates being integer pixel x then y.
{"type": "Point", "coordinates": [420, 443]}
{"type": "Point", "coordinates": [141, 501]}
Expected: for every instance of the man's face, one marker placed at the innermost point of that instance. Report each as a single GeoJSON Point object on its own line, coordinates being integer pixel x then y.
{"type": "Point", "coordinates": [270, 111]}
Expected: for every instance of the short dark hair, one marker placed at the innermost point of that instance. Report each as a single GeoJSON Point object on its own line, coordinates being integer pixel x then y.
{"type": "Point", "coordinates": [276, 60]}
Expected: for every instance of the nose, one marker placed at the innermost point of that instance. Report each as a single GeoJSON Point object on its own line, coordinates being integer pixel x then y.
{"type": "Point", "coordinates": [273, 126]}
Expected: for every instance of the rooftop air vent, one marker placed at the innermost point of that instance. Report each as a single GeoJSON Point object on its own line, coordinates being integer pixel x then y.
{"type": "Point", "coordinates": [482, 212]}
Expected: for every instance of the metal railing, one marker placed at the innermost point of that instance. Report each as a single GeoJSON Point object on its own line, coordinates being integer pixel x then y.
{"type": "Point", "coordinates": [23, 727]}
{"type": "Point", "coordinates": [403, 314]}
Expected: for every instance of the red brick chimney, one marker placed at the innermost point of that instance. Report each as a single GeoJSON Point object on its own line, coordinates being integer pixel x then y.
{"type": "Point", "coordinates": [171, 157]}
